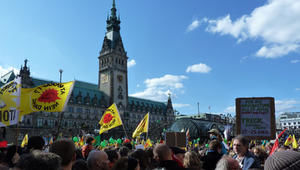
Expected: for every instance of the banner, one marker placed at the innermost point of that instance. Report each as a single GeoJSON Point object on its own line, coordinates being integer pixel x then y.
{"type": "Point", "coordinates": [51, 97]}
{"type": "Point", "coordinates": [110, 119]}
{"type": "Point", "coordinates": [142, 127]}
{"type": "Point", "coordinates": [10, 102]}
{"type": "Point", "coordinates": [255, 117]}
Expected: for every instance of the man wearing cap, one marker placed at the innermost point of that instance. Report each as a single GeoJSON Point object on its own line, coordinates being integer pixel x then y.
{"type": "Point", "coordinates": [214, 134]}
{"type": "Point", "coordinates": [178, 155]}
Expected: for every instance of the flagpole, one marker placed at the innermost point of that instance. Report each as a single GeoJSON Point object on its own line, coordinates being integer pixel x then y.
{"type": "Point", "coordinates": [61, 115]}
{"type": "Point", "coordinates": [17, 134]}
{"type": "Point", "coordinates": [124, 130]}
{"type": "Point", "coordinates": [148, 125]}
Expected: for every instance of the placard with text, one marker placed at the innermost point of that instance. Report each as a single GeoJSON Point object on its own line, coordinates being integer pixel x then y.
{"type": "Point", "coordinates": [255, 117]}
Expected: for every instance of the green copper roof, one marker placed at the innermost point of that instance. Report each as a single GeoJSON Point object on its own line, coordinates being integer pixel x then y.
{"type": "Point", "coordinates": [7, 77]}
{"type": "Point", "coordinates": [146, 102]}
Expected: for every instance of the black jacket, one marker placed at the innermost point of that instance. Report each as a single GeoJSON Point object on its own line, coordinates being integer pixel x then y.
{"type": "Point", "coordinates": [170, 165]}
{"type": "Point", "coordinates": [210, 160]}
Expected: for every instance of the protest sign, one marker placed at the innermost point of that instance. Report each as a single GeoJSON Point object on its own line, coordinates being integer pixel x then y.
{"type": "Point", "coordinates": [255, 117]}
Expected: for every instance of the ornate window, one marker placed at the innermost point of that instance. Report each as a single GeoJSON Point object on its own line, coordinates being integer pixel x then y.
{"type": "Point", "coordinates": [71, 109]}
{"type": "Point", "coordinates": [39, 122]}
{"type": "Point", "coordinates": [120, 90]}
{"type": "Point", "coordinates": [79, 110]}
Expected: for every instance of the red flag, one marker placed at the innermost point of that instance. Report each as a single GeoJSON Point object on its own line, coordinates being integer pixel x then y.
{"type": "Point", "coordinates": [276, 144]}
{"type": "Point", "coordinates": [3, 144]}
{"type": "Point", "coordinates": [187, 134]}
{"type": "Point", "coordinates": [281, 133]}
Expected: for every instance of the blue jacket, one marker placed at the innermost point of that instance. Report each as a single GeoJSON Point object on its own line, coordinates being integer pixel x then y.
{"type": "Point", "coordinates": [250, 161]}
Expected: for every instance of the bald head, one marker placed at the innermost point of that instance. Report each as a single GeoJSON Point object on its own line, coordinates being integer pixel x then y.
{"type": "Point", "coordinates": [162, 152]}
{"type": "Point", "coordinates": [97, 160]}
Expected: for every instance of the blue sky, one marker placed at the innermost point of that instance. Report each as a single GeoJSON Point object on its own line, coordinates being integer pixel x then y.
{"type": "Point", "coordinates": [207, 51]}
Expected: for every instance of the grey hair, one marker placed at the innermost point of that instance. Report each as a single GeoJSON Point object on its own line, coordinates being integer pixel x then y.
{"type": "Point", "coordinates": [223, 163]}
{"type": "Point", "coordinates": [92, 158]}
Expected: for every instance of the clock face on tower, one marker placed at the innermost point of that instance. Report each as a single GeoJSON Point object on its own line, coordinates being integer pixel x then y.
{"type": "Point", "coordinates": [120, 78]}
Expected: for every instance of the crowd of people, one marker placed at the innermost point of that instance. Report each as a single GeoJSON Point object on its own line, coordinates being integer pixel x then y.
{"type": "Point", "coordinates": [63, 154]}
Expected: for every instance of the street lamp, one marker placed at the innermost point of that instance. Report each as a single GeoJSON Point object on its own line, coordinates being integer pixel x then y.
{"type": "Point", "coordinates": [62, 113]}
{"type": "Point", "coordinates": [60, 75]}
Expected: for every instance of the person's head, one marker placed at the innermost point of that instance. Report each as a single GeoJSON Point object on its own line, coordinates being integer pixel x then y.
{"type": "Point", "coordinates": [65, 148]}
{"type": "Point", "coordinates": [191, 160]}
{"type": "Point", "coordinates": [257, 151]}
{"type": "Point", "coordinates": [215, 146]}
{"type": "Point", "coordinates": [38, 160]}
{"type": "Point", "coordinates": [283, 160]}
{"type": "Point", "coordinates": [113, 155]}
{"type": "Point", "coordinates": [227, 163]}
{"type": "Point", "coordinates": [97, 160]}
{"type": "Point", "coordinates": [142, 157]}
{"type": "Point", "coordinates": [178, 153]}
{"type": "Point", "coordinates": [125, 163]}
{"type": "Point", "coordinates": [162, 152]}
{"type": "Point", "coordinates": [123, 151]}
{"type": "Point", "coordinates": [80, 165]}
{"type": "Point", "coordinates": [240, 145]}
{"type": "Point", "coordinates": [213, 134]}
{"type": "Point", "coordinates": [89, 140]}
{"type": "Point", "coordinates": [128, 145]}
{"type": "Point", "coordinates": [35, 142]}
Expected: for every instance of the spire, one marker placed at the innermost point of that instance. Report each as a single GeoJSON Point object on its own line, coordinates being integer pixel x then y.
{"type": "Point", "coordinates": [113, 23]}
{"type": "Point", "coordinates": [113, 10]}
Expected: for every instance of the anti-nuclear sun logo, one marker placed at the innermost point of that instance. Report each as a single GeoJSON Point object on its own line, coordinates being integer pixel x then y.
{"type": "Point", "coordinates": [107, 118]}
{"type": "Point", "coordinates": [48, 96]}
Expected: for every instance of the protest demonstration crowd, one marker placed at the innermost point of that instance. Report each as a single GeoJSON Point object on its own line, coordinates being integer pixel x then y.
{"type": "Point", "coordinates": [90, 153]}
{"type": "Point", "coordinates": [139, 152]}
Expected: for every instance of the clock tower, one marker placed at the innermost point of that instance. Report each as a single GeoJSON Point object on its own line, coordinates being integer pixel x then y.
{"type": "Point", "coordinates": [112, 80]}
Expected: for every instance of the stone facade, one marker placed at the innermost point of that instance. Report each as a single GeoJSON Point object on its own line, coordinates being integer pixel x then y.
{"type": "Point", "coordinates": [88, 101]}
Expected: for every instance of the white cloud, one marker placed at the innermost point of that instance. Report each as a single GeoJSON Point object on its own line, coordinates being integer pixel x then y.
{"type": "Point", "coordinates": [275, 23]}
{"type": "Point", "coordinates": [276, 50]}
{"type": "Point", "coordinates": [4, 70]}
{"type": "Point", "coordinates": [286, 105]}
{"type": "Point", "coordinates": [295, 61]}
{"type": "Point", "coordinates": [230, 109]}
{"type": "Point", "coordinates": [297, 89]}
{"type": "Point", "coordinates": [199, 68]}
{"type": "Point", "coordinates": [159, 88]}
{"type": "Point", "coordinates": [180, 105]}
{"type": "Point", "coordinates": [195, 24]}
{"type": "Point", "coordinates": [131, 63]}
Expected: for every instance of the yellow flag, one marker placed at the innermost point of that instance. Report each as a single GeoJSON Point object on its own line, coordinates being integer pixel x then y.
{"type": "Point", "coordinates": [288, 141]}
{"type": "Point", "coordinates": [231, 143]}
{"type": "Point", "coordinates": [294, 144]}
{"type": "Point", "coordinates": [110, 119]}
{"type": "Point", "coordinates": [81, 142]}
{"type": "Point", "coordinates": [51, 97]}
{"type": "Point", "coordinates": [51, 140]}
{"type": "Point", "coordinates": [10, 102]}
{"type": "Point", "coordinates": [148, 143]}
{"type": "Point", "coordinates": [142, 127]}
{"type": "Point", "coordinates": [24, 141]}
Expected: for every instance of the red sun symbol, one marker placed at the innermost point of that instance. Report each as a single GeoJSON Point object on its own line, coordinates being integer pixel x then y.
{"type": "Point", "coordinates": [50, 95]}
{"type": "Point", "coordinates": [107, 118]}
